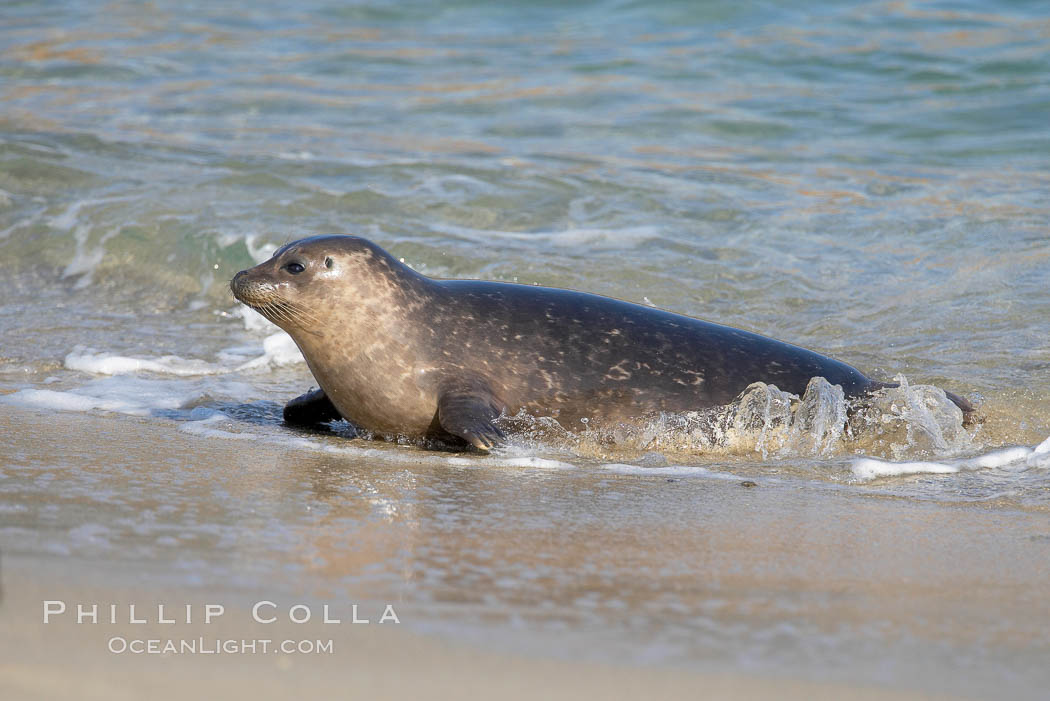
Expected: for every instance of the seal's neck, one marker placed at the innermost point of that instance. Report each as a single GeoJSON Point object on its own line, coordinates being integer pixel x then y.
{"type": "Point", "coordinates": [369, 350]}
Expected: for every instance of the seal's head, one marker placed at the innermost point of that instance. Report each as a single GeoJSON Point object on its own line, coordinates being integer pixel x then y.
{"type": "Point", "coordinates": [314, 282]}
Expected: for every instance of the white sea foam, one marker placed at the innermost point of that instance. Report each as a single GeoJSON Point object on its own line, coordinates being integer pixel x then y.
{"type": "Point", "coordinates": [576, 238]}
{"type": "Point", "coordinates": [66, 401]}
{"type": "Point", "coordinates": [71, 216]}
{"type": "Point", "coordinates": [1016, 458]}
{"type": "Point", "coordinates": [278, 349]}
{"type": "Point", "coordinates": [296, 155]}
{"type": "Point", "coordinates": [259, 251]}
{"type": "Point", "coordinates": [1043, 448]}
{"type": "Point", "coordinates": [253, 320]}
{"type": "Point", "coordinates": [669, 471]}
{"type": "Point", "coordinates": [124, 395]}
{"type": "Point", "coordinates": [86, 256]}
{"type": "Point", "coordinates": [85, 259]}
{"type": "Point", "coordinates": [533, 461]}
{"type": "Point", "coordinates": [522, 461]}
{"type": "Point", "coordinates": [106, 364]}
{"type": "Point", "coordinates": [870, 468]}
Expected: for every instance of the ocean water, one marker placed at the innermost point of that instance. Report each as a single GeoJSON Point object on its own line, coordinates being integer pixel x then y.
{"type": "Point", "coordinates": [867, 180]}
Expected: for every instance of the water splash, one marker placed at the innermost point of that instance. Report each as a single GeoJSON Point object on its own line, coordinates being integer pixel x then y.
{"type": "Point", "coordinates": [910, 421]}
{"type": "Point", "coordinates": [905, 421]}
{"type": "Point", "coordinates": [819, 422]}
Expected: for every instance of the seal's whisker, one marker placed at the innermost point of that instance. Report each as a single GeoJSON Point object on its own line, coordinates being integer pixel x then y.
{"type": "Point", "coordinates": [288, 310]}
{"type": "Point", "coordinates": [306, 316]}
{"type": "Point", "coordinates": [271, 306]}
{"type": "Point", "coordinates": [287, 315]}
{"type": "Point", "coordinates": [270, 311]}
{"type": "Point", "coordinates": [299, 316]}
{"type": "Point", "coordinates": [281, 312]}
{"type": "Point", "coordinates": [300, 313]}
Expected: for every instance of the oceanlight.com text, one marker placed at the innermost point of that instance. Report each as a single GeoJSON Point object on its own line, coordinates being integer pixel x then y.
{"type": "Point", "coordinates": [216, 646]}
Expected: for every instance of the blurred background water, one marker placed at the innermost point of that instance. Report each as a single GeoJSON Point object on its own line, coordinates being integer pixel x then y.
{"type": "Point", "coordinates": [866, 179]}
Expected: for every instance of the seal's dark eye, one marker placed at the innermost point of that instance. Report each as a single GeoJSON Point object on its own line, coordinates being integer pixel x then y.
{"type": "Point", "coordinates": [328, 262]}
{"type": "Point", "coordinates": [295, 268]}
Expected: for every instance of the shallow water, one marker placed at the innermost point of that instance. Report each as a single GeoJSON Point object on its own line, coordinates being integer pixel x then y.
{"type": "Point", "coordinates": [870, 182]}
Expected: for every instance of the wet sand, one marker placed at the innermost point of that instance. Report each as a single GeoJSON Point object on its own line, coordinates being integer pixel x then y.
{"type": "Point", "coordinates": [508, 583]}
{"type": "Point", "coordinates": [65, 661]}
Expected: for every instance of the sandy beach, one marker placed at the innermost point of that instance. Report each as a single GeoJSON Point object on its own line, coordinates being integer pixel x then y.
{"type": "Point", "coordinates": [838, 585]}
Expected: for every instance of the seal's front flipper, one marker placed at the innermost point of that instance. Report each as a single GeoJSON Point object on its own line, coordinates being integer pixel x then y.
{"type": "Point", "coordinates": [310, 409]}
{"type": "Point", "coordinates": [469, 414]}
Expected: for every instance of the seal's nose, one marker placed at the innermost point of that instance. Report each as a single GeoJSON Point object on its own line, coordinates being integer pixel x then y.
{"type": "Point", "coordinates": [238, 279]}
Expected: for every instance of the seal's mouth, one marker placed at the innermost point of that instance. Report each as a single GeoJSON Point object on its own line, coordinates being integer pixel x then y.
{"type": "Point", "coordinates": [264, 298]}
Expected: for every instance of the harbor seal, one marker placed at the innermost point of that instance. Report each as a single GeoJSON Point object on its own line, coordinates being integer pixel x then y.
{"type": "Point", "coordinates": [399, 353]}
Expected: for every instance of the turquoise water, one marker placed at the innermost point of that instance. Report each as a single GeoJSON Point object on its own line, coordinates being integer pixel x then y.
{"type": "Point", "coordinates": [868, 180]}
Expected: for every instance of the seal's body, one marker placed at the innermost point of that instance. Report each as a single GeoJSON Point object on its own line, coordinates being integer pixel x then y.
{"type": "Point", "coordinates": [397, 352]}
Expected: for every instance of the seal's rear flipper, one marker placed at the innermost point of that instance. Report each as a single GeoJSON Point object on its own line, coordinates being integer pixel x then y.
{"type": "Point", "coordinates": [310, 409]}
{"type": "Point", "coordinates": [968, 410]}
{"type": "Point", "coordinates": [469, 414]}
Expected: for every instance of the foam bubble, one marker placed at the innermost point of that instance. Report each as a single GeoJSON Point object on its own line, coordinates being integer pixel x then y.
{"type": "Point", "coordinates": [671, 470]}
{"type": "Point", "coordinates": [71, 216]}
{"type": "Point", "coordinates": [123, 395]}
{"type": "Point", "coordinates": [85, 259]}
{"type": "Point", "coordinates": [1040, 456]}
{"type": "Point", "coordinates": [253, 320]}
{"type": "Point", "coordinates": [998, 458]}
{"type": "Point", "coordinates": [525, 461]}
{"type": "Point", "coordinates": [870, 468]}
{"type": "Point", "coordinates": [1015, 458]}
{"type": "Point", "coordinates": [278, 349]}
{"type": "Point", "coordinates": [532, 461]}
{"type": "Point", "coordinates": [64, 401]}
{"type": "Point", "coordinates": [574, 238]}
{"type": "Point", "coordinates": [259, 251]}
{"type": "Point", "coordinates": [106, 364]}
